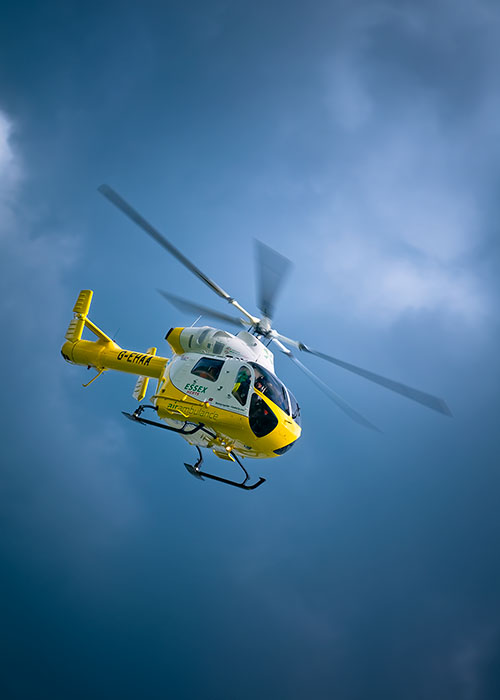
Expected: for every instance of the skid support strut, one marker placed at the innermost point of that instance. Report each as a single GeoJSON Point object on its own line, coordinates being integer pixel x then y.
{"type": "Point", "coordinates": [190, 429]}
{"type": "Point", "coordinates": [195, 470]}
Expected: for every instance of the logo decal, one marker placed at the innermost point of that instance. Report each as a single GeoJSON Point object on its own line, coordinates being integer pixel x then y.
{"type": "Point", "coordinates": [190, 410]}
{"type": "Point", "coordinates": [196, 389]}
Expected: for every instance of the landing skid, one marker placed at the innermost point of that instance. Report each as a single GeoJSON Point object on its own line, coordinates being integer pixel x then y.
{"type": "Point", "coordinates": [194, 470]}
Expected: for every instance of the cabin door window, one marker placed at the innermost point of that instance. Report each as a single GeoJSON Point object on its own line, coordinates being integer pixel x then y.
{"type": "Point", "coordinates": [242, 385]}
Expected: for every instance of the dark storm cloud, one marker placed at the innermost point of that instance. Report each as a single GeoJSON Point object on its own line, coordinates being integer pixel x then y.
{"type": "Point", "coordinates": [362, 141]}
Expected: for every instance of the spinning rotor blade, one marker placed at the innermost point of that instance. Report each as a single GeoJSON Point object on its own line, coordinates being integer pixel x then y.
{"type": "Point", "coordinates": [272, 268]}
{"type": "Point", "coordinates": [433, 402]}
{"type": "Point", "coordinates": [343, 405]}
{"type": "Point", "coordinates": [185, 305]}
{"type": "Point", "coordinates": [125, 207]}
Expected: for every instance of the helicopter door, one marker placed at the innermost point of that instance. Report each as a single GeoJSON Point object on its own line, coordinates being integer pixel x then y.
{"type": "Point", "coordinates": [234, 386]}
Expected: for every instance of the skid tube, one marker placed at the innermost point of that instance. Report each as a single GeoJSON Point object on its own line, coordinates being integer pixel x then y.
{"type": "Point", "coordinates": [195, 469]}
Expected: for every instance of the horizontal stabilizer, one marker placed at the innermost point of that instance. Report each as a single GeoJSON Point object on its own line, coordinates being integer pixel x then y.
{"type": "Point", "coordinates": [141, 385]}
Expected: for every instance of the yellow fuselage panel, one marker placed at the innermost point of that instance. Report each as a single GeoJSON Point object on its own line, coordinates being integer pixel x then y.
{"type": "Point", "coordinates": [173, 338]}
{"type": "Point", "coordinates": [233, 428]}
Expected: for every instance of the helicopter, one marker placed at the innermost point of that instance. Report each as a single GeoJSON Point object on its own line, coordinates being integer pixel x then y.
{"type": "Point", "coordinates": [219, 390]}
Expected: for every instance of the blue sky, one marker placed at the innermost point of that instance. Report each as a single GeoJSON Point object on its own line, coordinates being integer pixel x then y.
{"type": "Point", "coordinates": [362, 141]}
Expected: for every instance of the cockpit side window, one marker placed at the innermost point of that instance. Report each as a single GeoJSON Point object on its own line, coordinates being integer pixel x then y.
{"type": "Point", "coordinates": [208, 368]}
{"type": "Point", "coordinates": [271, 387]}
{"type": "Point", "coordinates": [242, 385]}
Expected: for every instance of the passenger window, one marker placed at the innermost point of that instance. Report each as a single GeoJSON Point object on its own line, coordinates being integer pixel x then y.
{"type": "Point", "coordinates": [242, 385]}
{"type": "Point", "coordinates": [208, 368]}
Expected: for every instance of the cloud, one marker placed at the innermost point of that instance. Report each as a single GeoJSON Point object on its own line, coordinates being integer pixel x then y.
{"type": "Point", "coordinates": [383, 286]}
{"type": "Point", "coordinates": [44, 430]}
{"type": "Point", "coordinates": [10, 174]}
{"type": "Point", "coordinates": [34, 263]}
{"type": "Point", "coordinates": [346, 96]}
{"type": "Point", "coordinates": [469, 660]}
{"type": "Point", "coordinates": [9, 166]}
{"type": "Point", "coordinates": [405, 201]}
{"type": "Point", "coordinates": [400, 233]}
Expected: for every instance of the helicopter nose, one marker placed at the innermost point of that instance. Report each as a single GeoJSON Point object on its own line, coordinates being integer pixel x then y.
{"type": "Point", "coordinates": [287, 436]}
{"type": "Point", "coordinates": [285, 448]}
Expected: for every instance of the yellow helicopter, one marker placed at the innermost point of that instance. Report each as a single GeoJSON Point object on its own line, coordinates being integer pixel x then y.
{"type": "Point", "coordinates": [218, 390]}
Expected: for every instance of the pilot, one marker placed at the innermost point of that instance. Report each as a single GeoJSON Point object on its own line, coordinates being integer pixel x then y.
{"type": "Point", "coordinates": [259, 382]}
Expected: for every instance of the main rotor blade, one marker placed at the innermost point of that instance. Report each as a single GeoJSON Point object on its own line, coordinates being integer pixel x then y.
{"type": "Point", "coordinates": [185, 305]}
{"type": "Point", "coordinates": [428, 400]}
{"type": "Point", "coordinates": [272, 268]}
{"type": "Point", "coordinates": [125, 207]}
{"type": "Point", "coordinates": [343, 405]}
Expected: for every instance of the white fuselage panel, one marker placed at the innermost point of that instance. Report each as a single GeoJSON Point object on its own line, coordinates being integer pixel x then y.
{"type": "Point", "coordinates": [210, 341]}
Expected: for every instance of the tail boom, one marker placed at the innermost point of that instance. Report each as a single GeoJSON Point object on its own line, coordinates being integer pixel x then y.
{"type": "Point", "coordinates": [104, 353]}
{"type": "Point", "coordinates": [112, 356]}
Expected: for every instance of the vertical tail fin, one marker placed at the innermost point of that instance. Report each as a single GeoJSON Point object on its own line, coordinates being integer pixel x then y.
{"type": "Point", "coordinates": [80, 309]}
{"type": "Point", "coordinates": [103, 353]}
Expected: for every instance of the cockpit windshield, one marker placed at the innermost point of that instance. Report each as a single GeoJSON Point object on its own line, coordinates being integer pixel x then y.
{"type": "Point", "coordinates": [269, 385]}
{"type": "Point", "coordinates": [295, 408]}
